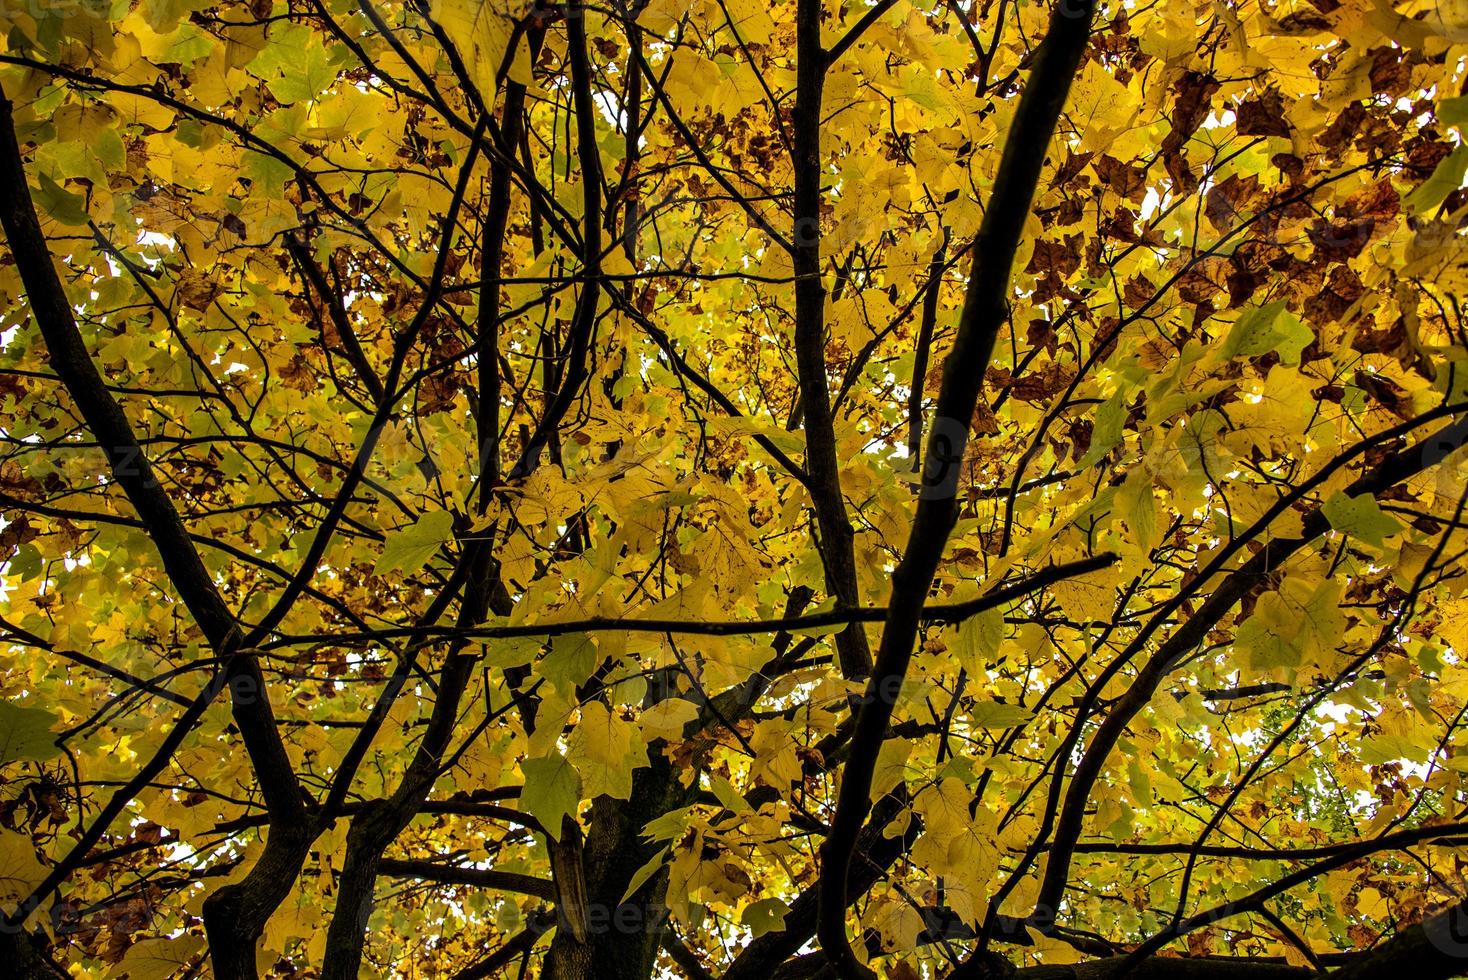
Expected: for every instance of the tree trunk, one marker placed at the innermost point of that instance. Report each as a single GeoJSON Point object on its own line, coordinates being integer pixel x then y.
{"type": "Point", "coordinates": [623, 939]}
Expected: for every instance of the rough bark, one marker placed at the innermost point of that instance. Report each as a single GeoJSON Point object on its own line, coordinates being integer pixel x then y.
{"type": "Point", "coordinates": [622, 938]}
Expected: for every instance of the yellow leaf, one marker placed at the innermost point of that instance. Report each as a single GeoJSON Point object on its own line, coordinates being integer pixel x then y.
{"type": "Point", "coordinates": [158, 959]}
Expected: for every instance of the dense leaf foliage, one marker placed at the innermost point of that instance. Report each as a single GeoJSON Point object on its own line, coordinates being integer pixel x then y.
{"type": "Point", "coordinates": [724, 488]}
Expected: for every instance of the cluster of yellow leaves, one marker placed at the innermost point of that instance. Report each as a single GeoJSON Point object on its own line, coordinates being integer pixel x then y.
{"type": "Point", "coordinates": [1245, 259]}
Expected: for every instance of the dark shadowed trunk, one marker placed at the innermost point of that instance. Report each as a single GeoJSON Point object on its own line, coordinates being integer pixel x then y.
{"type": "Point", "coordinates": [622, 938]}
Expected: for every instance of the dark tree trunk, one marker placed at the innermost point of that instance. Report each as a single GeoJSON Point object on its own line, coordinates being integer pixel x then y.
{"type": "Point", "coordinates": [622, 939]}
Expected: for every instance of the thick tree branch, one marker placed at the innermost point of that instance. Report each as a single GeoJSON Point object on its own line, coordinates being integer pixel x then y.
{"type": "Point", "coordinates": [1391, 471]}
{"type": "Point", "coordinates": [583, 320]}
{"type": "Point", "coordinates": [233, 937]}
{"type": "Point", "coordinates": [837, 540]}
{"type": "Point", "coordinates": [1434, 949]}
{"type": "Point", "coordinates": [452, 874]}
{"type": "Point", "coordinates": [955, 612]}
{"type": "Point", "coordinates": [986, 307]}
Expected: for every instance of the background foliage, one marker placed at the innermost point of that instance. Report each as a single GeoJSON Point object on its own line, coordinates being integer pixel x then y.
{"type": "Point", "coordinates": [485, 420]}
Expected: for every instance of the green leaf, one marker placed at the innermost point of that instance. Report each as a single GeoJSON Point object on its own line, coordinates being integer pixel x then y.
{"type": "Point", "coordinates": [409, 549]}
{"type": "Point", "coordinates": [295, 65]}
{"type": "Point", "coordinates": [109, 149]}
{"type": "Point", "coordinates": [727, 795]}
{"type": "Point", "coordinates": [996, 714]}
{"type": "Point", "coordinates": [186, 45]}
{"type": "Point", "coordinates": [513, 651]}
{"type": "Point", "coordinates": [1384, 748]}
{"type": "Point", "coordinates": [1139, 781]}
{"type": "Point", "coordinates": [976, 640]}
{"type": "Point", "coordinates": [606, 749]}
{"type": "Point", "coordinates": [552, 791]}
{"type": "Point", "coordinates": [1453, 112]}
{"type": "Point", "coordinates": [640, 876]}
{"type": "Point", "coordinates": [267, 174]}
{"type": "Point", "coordinates": [163, 15]}
{"type": "Point", "coordinates": [1263, 647]}
{"type": "Point", "coordinates": [60, 203]}
{"type": "Point", "coordinates": [1137, 505]}
{"type": "Point", "coordinates": [1447, 178]}
{"type": "Point", "coordinates": [572, 659]}
{"type": "Point", "coordinates": [1268, 328]}
{"type": "Point", "coordinates": [1360, 517]}
{"type": "Point", "coordinates": [1110, 418]}
{"type": "Point", "coordinates": [25, 734]}
{"type": "Point", "coordinates": [668, 826]}
{"type": "Point", "coordinates": [766, 915]}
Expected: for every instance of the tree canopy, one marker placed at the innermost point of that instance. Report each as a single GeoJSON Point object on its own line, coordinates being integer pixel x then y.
{"type": "Point", "coordinates": [734, 489]}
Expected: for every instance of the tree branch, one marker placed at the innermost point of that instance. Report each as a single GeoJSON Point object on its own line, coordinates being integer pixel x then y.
{"type": "Point", "coordinates": [985, 309]}
{"type": "Point", "coordinates": [263, 888]}
{"type": "Point", "coordinates": [451, 874]}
